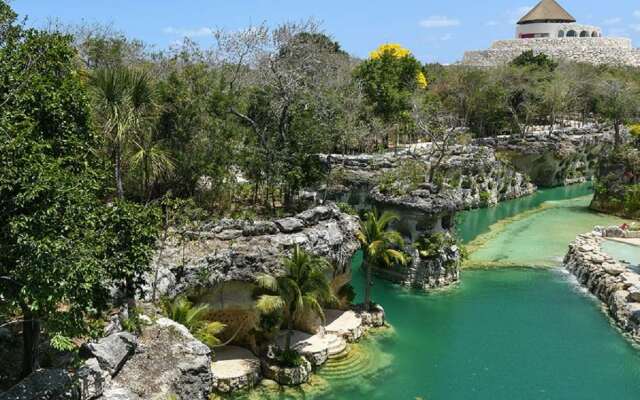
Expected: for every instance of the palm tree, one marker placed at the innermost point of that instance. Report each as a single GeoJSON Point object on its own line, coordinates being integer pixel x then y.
{"type": "Point", "coordinates": [301, 290]}
{"type": "Point", "coordinates": [193, 318]}
{"type": "Point", "coordinates": [152, 159]}
{"type": "Point", "coordinates": [378, 246]}
{"type": "Point", "coordinates": [123, 99]}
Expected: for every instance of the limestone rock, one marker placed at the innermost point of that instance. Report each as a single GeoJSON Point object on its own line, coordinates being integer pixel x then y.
{"type": "Point", "coordinates": [293, 376]}
{"type": "Point", "coordinates": [168, 361]}
{"type": "Point", "coordinates": [119, 394]}
{"type": "Point", "coordinates": [616, 286]}
{"type": "Point", "coordinates": [92, 379]}
{"type": "Point", "coordinates": [208, 260]}
{"type": "Point", "coordinates": [112, 351]}
{"type": "Point", "coordinates": [45, 384]}
{"type": "Point", "coordinates": [290, 225]}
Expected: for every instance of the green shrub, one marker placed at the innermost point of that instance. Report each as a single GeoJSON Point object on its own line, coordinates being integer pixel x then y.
{"type": "Point", "coordinates": [347, 292]}
{"type": "Point", "coordinates": [289, 358]}
{"type": "Point", "coordinates": [485, 197]}
{"type": "Point", "coordinates": [632, 200]}
{"type": "Point", "coordinates": [347, 208]}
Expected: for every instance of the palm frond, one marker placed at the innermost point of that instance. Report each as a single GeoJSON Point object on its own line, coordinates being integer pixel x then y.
{"type": "Point", "coordinates": [268, 304]}
{"type": "Point", "coordinates": [267, 282]}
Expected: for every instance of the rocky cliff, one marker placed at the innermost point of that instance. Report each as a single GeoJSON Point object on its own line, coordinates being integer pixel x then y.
{"type": "Point", "coordinates": [239, 250]}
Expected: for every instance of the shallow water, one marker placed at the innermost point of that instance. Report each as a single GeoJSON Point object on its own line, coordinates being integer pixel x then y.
{"type": "Point", "coordinates": [538, 237]}
{"type": "Point", "coordinates": [516, 333]}
{"type": "Point", "coordinates": [623, 252]}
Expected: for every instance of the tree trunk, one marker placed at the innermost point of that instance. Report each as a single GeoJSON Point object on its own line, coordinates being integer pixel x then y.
{"type": "Point", "coordinates": [118, 172]}
{"type": "Point", "coordinates": [367, 285]}
{"type": "Point", "coordinates": [30, 341]}
{"type": "Point", "coordinates": [287, 344]}
{"type": "Point", "coordinates": [617, 138]}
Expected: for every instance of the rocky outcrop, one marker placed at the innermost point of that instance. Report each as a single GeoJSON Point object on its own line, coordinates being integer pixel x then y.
{"type": "Point", "coordinates": [112, 352]}
{"type": "Point", "coordinates": [45, 384]}
{"type": "Point", "coordinates": [554, 158]}
{"type": "Point", "coordinates": [239, 250]}
{"type": "Point", "coordinates": [168, 361]}
{"type": "Point", "coordinates": [289, 376]}
{"type": "Point", "coordinates": [373, 318]}
{"type": "Point", "coordinates": [617, 286]}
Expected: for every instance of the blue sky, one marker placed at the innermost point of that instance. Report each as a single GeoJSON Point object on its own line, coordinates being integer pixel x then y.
{"type": "Point", "coordinates": [435, 30]}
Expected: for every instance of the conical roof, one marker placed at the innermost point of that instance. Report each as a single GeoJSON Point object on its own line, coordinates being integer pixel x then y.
{"type": "Point", "coordinates": [547, 11]}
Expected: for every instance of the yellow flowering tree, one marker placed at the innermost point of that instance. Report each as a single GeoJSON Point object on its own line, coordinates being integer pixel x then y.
{"type": "Point", "coordinates": [389, 78]}
{"type": "Point", "coordinates": [634, 130]}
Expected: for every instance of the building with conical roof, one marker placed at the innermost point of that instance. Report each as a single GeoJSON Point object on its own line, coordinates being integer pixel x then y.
{"type": "Point", "coordinates": [549, 28]}
{"type": "Point", "coordinates": [547, 11]}
{"type": "Point", "coordinates": [549, 20]}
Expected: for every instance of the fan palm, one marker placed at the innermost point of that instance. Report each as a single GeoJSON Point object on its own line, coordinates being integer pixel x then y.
{"type": "Point", "coordinates": [152, 159]}
{"type": "Point", "coordinates": [193, 317]}
{"type": "Point", "coordinates": [123, 99]}
{"type": "Point", "coordinates": [300, 291]}
{"type": "Point", "coordinates": [379, 245]}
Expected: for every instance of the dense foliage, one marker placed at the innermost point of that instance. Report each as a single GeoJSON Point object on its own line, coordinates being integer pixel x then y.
{"type": "Point", "coordinates": [61, 247]}
{"type": "Point", "coordinates": [303, 290]}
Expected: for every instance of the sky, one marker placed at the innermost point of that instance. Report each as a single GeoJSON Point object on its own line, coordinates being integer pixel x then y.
{"type": "Point", "coordinates": [434, 30]}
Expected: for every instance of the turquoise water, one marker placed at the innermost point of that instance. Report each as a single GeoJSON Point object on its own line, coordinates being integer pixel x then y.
{"type": "Point", "coordinates": [475, 222]}
{"type": "Point", "coordinates": [503, 334]}
{"type": "Point", "coordinates": [623, 252]}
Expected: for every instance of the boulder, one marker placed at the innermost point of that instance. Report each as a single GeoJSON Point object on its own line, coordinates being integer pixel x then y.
{"type": "Point", "coordinates": [169, 361]}
{"type": "Point", "coordinates": [112, 351]}
{"type": "Point", "coordinates": [290, 225]}
{"type": "Point", "coordinates": [45, 384]}
{"type": "Point", "coordinates": [120, 394]}
{"type": "Point", "coordinates": [289, 376]}
{"type": "Point", "coordinates": [92, 379]}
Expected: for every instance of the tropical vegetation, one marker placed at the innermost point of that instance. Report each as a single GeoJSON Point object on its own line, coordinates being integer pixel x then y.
{"type": "Point", "coordinates": [301, 291]}
{"type": "Point", "coordinates": [381, 247]}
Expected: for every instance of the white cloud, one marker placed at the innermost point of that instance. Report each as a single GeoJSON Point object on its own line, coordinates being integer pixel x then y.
{"type": "Point", "coordinates": [439, 21]}
{"type": "Point", "coordinates": [197, 32]}
{"type": "Point", "coordinates": [612, 21]}
{"type": "Point", "coordinates": [635, 27]}
{"type": "Point", "coordinates": [446, 37]}
{"type": "Point", "coordinates": [636, 13]}
{"type": "Point", "coordinates": [491, 23]}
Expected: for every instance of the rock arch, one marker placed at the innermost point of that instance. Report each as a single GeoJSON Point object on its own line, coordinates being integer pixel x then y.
{"type": "Point", "coordinates": [595, 34]}
{"type": "Point", "coordinates": [561, 34]}
{"type": "Point", "coordinates": [572, 33]}
{"type": "Point", "coordinates": [584, 34]}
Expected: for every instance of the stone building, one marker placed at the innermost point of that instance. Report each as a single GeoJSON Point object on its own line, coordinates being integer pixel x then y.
{"type": "Point", "coordinates": [548, 28]}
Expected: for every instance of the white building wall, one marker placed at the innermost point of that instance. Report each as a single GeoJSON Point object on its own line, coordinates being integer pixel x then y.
{"type": "Point", "coordinates": [555, 30]}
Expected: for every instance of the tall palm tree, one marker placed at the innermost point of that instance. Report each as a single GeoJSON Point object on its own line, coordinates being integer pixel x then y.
{"type": "Point", "coordinates": [123, 98]}
{"type": "Point", "coordinates": [379, 245]}
{"type": "Point", "coordinates": [301, 290]}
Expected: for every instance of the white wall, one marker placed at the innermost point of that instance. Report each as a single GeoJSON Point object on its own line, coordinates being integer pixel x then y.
{"type": "Point", "coordinates": [553, 29]}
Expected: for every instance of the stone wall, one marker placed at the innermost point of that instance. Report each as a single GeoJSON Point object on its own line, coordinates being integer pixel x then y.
{"type": "Point", "coordinates": [598, 51]}
{"type": "Point", "coordinates": [613, 283]}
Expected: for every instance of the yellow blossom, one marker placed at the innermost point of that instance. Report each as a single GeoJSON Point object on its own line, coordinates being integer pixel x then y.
{"type": "Point", "coordinates": [394, 49]}
{"type": "Point", "coordinates": [635, 130]}
{"type": "Point", "coordinates": [422, 80]}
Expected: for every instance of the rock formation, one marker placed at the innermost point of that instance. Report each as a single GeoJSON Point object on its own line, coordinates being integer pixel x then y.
{"type": "Point", "coordinates": [613, 283]}
{"type": "Point", "coordinates": [238, 250]}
